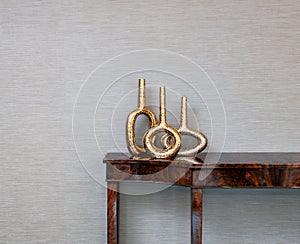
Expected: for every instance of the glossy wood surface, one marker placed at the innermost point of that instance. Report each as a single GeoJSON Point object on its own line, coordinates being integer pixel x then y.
{"type": "Point", "coordinates": [233, 170]}
{"type": "Point", "coordinates": [196, 215]}
{"type": "Point", "coordinates": [112, 213]}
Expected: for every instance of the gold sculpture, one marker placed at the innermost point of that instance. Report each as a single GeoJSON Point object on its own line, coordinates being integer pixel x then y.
{"type": "Point", "coordinates": [171, 141]}
{"type": "Point", "coordinates": [172, 150]}
{"type": "Point", "coordinates": [185, 130]}
{"type": "Point", "coordinates": [132, 117]}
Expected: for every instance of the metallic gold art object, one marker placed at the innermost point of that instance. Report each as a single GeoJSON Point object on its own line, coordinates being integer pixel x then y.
{"type": "Point", "coordinates": [184, 130]}
{"type": "Point", "coordinates": [132, 117]}
{"type": "Point", "coordinates": [172, 150]}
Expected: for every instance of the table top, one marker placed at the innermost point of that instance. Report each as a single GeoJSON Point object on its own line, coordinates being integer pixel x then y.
{"type": "Point", "coordinates": [251, 170]}
{"type": "Point", "coordinates": [290, 159]}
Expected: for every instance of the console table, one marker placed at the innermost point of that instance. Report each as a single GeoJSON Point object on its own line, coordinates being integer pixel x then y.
{"type": "Point", "coordinates": [233, 170]}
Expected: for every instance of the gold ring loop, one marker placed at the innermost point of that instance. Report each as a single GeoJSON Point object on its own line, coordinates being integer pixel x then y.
{"type": "Point", "coordinates": [168, 152]}
{"type": "Point", "coordinates": [133, 148]}
{"type": "Point", "coordinates": [184, 130]}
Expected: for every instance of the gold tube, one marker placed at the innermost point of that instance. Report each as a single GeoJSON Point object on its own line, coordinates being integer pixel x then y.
{"type": "Point", "coordinates": [142, 94]}
{"type": "Point", "coordinates": [162, 107]}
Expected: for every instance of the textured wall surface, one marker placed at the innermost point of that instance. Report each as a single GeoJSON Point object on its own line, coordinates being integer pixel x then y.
{"type": "Point", "coordinates": [250, 49]}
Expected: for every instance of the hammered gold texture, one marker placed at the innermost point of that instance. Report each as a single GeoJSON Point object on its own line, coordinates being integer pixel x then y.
{"type": "Point", "coordinates": [133, 148]}
{"type": "Point", "coordinates": [185, 130]}
{"type": "Point", "coordinates": [162, 126]}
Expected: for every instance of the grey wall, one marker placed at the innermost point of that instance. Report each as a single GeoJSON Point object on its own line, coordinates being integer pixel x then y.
{"type": "Point", "coordinates": [251, 51]}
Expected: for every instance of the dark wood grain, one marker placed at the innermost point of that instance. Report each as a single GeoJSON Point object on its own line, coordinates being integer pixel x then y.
{"type": "Point", "coordinates": [232, 170]}
{"type": "Point", "coordinates": [196, 215]}
{"type": "Point", "coordinates": [239, 170]}
{"type": "Point", "coordinates": [112, 213]}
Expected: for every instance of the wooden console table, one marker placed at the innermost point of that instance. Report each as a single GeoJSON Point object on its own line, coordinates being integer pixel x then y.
{"type": "Point", "coordinates": [234, 170]}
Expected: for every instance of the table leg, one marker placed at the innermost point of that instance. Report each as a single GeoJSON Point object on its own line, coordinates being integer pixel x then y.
{"type": "Point", "coordinates": [196, 216]}
{"type": "Point", "coordinates": [112, 212]}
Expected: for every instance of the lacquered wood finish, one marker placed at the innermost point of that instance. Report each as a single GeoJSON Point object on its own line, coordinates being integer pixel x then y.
{"type": "Point", "coordinates": [233, 170]}
{"type": "Point", "coordinates": [112, 213]}
{"type": "Point", "coordinates": [238, 170]}
{"type": "Point", "coordinates": [196, 215]}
